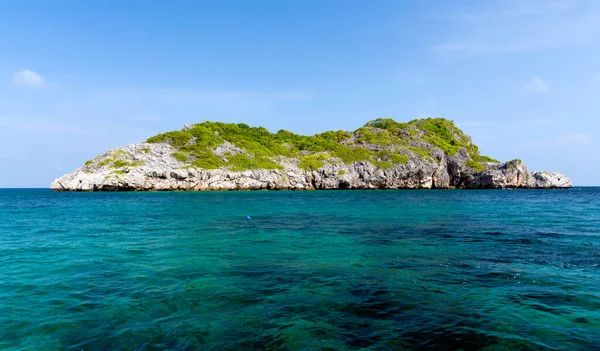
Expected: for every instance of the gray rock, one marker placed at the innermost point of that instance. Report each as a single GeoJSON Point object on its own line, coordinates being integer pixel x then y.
{"type": "Point", "coordinates": [512, 174]}
{"type": "Point", "coordinates": [548, 180]}
{"type": "Point", "coordinates": [152, 167]}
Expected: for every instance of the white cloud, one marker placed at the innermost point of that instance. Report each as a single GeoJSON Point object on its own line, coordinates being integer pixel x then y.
{"type": "Point", "coordinates": [27, 78]}
{"type": "Point", "coordinates": [500, 124]}
{"type": "Point", "coordinates": [519, 26]}
{"type": "Point", "coordinates": [420, 114]}
{"type": "Point", "coordinates": [538, 85]}
{"type": "Point", "coordinates": [565, 140]}
{"type": "Point", "coordinates": [197, 97]}
{"type": "Point", "coordinates": [149, 118]}
{"type": "Point", "coordinates": [13, 122]}
{"type": "Point", "coordinates": [577, 138]}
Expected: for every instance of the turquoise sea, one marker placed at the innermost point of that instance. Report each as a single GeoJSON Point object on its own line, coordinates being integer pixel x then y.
{"type": "Point", "coordinates": [320, 270]}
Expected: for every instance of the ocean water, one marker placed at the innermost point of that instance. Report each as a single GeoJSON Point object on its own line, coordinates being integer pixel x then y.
{"type": "Point", "coordinates": [320, 270]}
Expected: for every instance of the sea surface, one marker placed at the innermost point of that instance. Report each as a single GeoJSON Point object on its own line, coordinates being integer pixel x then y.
{"type": "Point", "coordinates": [315, 270]}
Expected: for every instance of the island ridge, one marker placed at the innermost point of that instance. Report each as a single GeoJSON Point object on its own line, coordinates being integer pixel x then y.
{"type": "Point", "coordinates": [383, 154]}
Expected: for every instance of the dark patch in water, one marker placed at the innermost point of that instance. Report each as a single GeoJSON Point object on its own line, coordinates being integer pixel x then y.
{"type": "Point", "coordinates": [310, 268]}
{"type": "Point", "coordinates": [493, 277]}
{"type": "Point", "coordinates": [399, 265]}
{"type": "Point", "coordinates": [582, 320]}
{"type": "Point", "coordinates": [379, 242]}
{"type": "Point", "coordinates": [520, 241]}
{"type": "Point", "coordinates": [153, 229]}
{"type": "Point", "coordinates": [550, 235]}
{"type": "Point", "coordinates": [466, 339]}
{"type": "Point", "coordinates": [544, 308]}
{"type": "Point", "coordinates": [360, 336]}
{"type": "Point", "coordinates": [51, 231]}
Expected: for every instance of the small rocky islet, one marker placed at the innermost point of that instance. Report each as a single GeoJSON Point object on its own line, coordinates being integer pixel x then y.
{"type": "Point", "coordinates": [383, 154]}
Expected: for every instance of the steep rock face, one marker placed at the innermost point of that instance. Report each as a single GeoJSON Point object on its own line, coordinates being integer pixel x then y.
{"type": "Point", "coordinates": [383, 154]}
{"type": "Point", "coordinates": [153, 167]}
{"type": "Point", "coordinates": [548, 180]}
{"type": "Point", "coordinates": [512, 174]}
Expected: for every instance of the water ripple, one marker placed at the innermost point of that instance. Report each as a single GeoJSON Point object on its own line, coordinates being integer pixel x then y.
{"type": "Point", "coordinates": [376, 270]}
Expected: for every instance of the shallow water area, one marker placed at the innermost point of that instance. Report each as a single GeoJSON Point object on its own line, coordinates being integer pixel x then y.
{"type": "Point", "coordinates": [337, 270]}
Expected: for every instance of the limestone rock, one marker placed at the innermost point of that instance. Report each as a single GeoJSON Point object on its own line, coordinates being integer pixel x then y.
{"type": "Point", "coordinates": [152, 167]}
{"type": "Point", "coordinates": [548, 180]}
{"type": "Point", "coordinates": [512, 174]}
{"type": "Point", "coordinates": [428, 153]}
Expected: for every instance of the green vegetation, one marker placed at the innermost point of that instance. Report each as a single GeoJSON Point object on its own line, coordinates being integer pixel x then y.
{"type": "Point", "coordinates": [389, 143]}
{"type": "Point", "coordinates": [475, 165]}
{"type": "Point", "coordinates": [398, 158]}
{"type": "Point", "coordinates": [181, 157]}
{"type": "Point", "coordinates": [88, 162]}
{"type": "Point", "coordinates": [242, 162]}
{"type": "Point", "coordinates": [120, 164]}
{"type": "Point", "coordinates": [176, 138]}
{"type": "Point", "coordinates": [314, 161]}
{"type": "Point", "coordinates": [513, 164]}
{"type": "Point", "coordinates": [485, 159]}
{"type": "Point", "coordinates": [341, 172]}
{"type": "Point", "coordinates": [207, 160]}
{"type": "Point", "coordinates": [119, 159]}
{"type": "Point", "coordinates": [383, 164]}
{"type": "Point", "coordinates": [443, 134]}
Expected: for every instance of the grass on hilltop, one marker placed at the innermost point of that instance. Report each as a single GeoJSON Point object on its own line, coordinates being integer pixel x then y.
{"type": "Point", "coordinates": [389, 142]}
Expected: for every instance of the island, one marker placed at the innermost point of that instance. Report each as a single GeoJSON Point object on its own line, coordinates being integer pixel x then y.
{"type": "Point", "coordinates": [430, 153]}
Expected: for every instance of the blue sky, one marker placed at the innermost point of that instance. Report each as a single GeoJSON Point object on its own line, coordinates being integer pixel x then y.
{"type": "Point", "coordinates": [522, 77]}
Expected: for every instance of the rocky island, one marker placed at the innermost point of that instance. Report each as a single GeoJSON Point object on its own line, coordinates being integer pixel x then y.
{"type": "Point", "coordinates": [383, 154]}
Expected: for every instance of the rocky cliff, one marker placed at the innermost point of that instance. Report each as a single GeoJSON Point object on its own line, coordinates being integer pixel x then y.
{"type": "Point", "coordinates": [384, 154]}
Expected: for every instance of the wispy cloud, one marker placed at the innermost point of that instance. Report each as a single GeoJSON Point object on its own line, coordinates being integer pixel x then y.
{"type": "Point", "coordinates": [577, 138]}
{"type": "Point", "coordinates": [537, 85]}
{"type": "Point", "coordinates": [195, 97]}
{"type": "Point", "coordinates": [518, 26]}
{"type": "Point", "coordinates": [148, 118]}
{"type": "Point", "coordinates": [504, 123]}
{"type": "Point", "coordinates": [81, 128]}
{"type": "Point", "coordinates": [565, 140]}
{"type": "Point", "coordinates": [27, 78]}
{"type": "Point", "coordinates": [54, 128]}
{"type": "Point", "coordinates": [226, 96]}
{"type": "Point", "coordinates": [421, 114]}
{"type": "Point", "coordinates": [103, 113]}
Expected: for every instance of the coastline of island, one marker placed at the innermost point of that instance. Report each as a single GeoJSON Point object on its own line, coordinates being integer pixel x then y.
{"type": "Point", "coordinates": [427, 153]}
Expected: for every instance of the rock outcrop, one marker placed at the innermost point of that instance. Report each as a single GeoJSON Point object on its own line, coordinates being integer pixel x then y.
{"type": "Point", "coordinates": [161, 166]}
{"type": "Point", "coordinates": [548, 180]}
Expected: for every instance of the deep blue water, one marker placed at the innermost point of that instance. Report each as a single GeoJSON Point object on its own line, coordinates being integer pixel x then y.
{"type": "Point", "coordinates": [332, 270]}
